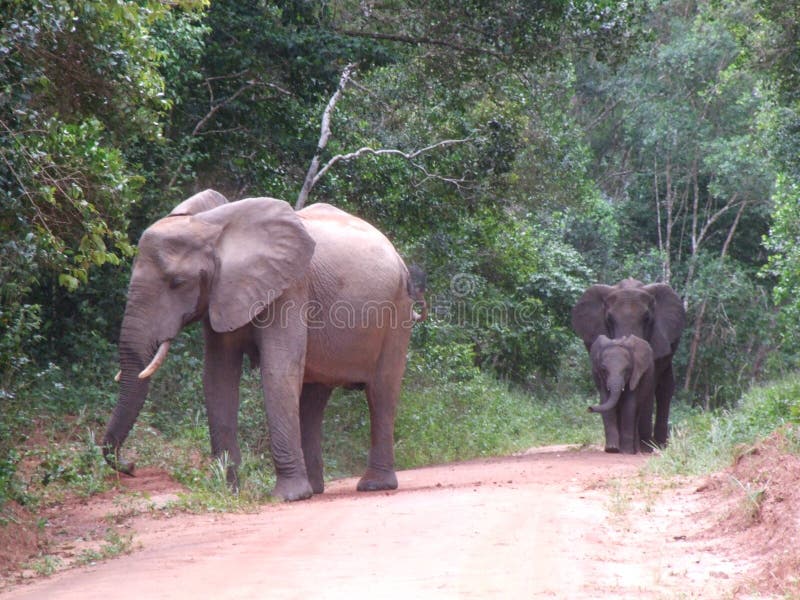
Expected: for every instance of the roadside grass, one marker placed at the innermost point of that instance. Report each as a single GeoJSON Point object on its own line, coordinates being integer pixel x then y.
{"type": "Point", "coordinates": [705, 442]}
{"type": "Point", "coordinates": [444, 421]}
{"type": "Point", "coordinates": [115, 545]}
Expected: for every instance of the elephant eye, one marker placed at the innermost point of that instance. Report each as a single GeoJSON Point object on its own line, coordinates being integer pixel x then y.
{"type": "Point", "coordinates": [176, 282]}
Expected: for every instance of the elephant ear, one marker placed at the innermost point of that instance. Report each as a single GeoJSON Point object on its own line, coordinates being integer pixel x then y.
{"type": "Point", "coordinates": [262, 248]}
{"type": "Point", "coordinates": [200, 202]}
{"type": "Point", "coordinates": [597, 347]}
{"type": "Point", "coordinates": [670, 319]}
{"type": "Point", "coordinates": [588, 315]}
{"type": "Point", "coordinates": [642, 355]}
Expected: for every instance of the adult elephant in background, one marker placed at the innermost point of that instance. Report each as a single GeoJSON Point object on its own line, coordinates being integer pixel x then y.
{"type": "Point", "coordinates": [317, 298]}
{"type": "Point", "coordinates": [651, 312]}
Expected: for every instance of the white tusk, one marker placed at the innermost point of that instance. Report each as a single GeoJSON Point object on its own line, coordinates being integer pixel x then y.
{"type": "Point", "coordinates": [158, 359]}
{"type": "Point", "coordinates": [118, 376]}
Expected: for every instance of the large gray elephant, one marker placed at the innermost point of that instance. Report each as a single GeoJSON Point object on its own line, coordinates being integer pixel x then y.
{"type": "Point", "coordinates": [652, 312]}
{"type": "Point", "coordinates": [317, 298]}
{"type": "Point", "coordinates": [623, 372]}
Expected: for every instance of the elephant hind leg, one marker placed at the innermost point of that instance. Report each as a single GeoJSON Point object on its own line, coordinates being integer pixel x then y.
{"type": "Point", "coordinates": [382, 399]}
{"type": "Point", "coordinates": [313, 400]}
{"type": "Point", "coordinates": [383, 393]}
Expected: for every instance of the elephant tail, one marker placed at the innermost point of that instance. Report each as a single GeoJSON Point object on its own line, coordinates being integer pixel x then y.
{"type": "Point", "coordinates": [417, 282]}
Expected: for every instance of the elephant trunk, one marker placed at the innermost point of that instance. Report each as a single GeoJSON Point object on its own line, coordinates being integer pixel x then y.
{"type": "Point", "coordinates": [610, 403]}
{"type": "Point", "coordinates": [135, 354]}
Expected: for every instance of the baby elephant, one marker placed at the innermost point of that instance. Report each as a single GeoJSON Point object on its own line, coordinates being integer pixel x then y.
{"type": "Point", "coordinates": [624, 374]}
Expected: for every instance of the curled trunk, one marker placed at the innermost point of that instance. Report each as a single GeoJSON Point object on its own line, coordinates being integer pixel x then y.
{"type": "Point", "coordinates": [609, 404]}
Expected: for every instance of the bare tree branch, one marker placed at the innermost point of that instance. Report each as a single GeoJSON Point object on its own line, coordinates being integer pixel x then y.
{"type": "Point", "coordinates": [324, 136]}
{"type": "Point", "coordinates": [713, 217]}
{"type": "Point", "coordinates": [732, 230]}
{"type": "Point", "coordinates": [315, 173]}
{"type": "Point", "coordinates": [216, 107]}
{"type": "Point", "coordinates": [410, 156]}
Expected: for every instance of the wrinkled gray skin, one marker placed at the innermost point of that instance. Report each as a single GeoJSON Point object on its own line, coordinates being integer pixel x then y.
{"type": "Point", "coordinates": [623, 372]}
{"type": "Point", "coordinates": [652, 312]}
{"type": "Point", "coordinates": [317, 298]}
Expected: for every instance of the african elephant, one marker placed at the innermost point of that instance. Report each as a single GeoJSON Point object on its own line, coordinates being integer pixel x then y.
{"type": "Point", "coordinates": [652, 312]}
{"type": "Point", "coordinates": [623, 372]}
{"type": "Point", "coordinates": [317, 298]}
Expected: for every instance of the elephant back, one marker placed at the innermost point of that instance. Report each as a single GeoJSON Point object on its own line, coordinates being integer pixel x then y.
{"type": "Point", "coordinates": [353, 259]}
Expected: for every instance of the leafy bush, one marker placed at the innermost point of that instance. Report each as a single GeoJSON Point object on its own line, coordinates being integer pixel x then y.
{"type": "Point", "coordinates": [484, 417]}
{"type": "Point", "coordinates": [728, 334]}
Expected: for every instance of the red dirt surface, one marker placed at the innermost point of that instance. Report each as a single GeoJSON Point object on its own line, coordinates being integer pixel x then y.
{"type": "Point", "coordinates": [551, 523]}
{"type": "Point", "coordinates": [757, 502]}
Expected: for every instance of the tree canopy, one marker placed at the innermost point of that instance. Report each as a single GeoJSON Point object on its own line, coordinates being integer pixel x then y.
{"type": "Point", "coordinates": [591, 141]}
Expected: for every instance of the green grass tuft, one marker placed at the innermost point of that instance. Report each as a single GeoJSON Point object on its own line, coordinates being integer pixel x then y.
{"type": "Point", "coordinates": [703, 442]}
{"type": "Point", "coordinates": [442, 421]}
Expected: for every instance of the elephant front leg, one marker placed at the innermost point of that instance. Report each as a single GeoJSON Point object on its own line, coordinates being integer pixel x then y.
{"type": "Point", "coordinates": [282, 348]}
{"type": "Point", "coordinates": [611, 428]}
{"type": "Point", "coordinates": [628, 413]}
{"type": "Point", "coordinates": [281, 399]}
{"type": "Point", "coordinates": [313, 400]}
{"type": "Point", "coordinates": [221, 374]}
{"type": "Point", "coordinates": [645, 422]}
{"type": "Point", "coordinates": [664, 390]}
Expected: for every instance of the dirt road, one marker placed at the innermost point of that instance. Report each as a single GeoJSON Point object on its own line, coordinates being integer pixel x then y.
{"type": "Point", "coordinates": [555, 523]}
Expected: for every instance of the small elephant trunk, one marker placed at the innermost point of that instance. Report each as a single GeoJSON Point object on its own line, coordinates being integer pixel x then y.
{"type": "Point", "coordinates": [609, 404]}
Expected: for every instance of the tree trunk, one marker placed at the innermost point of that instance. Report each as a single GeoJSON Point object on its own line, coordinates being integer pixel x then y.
{"type": "Point", "coordinates": [698, 326]}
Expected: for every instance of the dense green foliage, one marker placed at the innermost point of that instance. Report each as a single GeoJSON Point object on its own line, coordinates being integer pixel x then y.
{"type": "Point", "coordinates": [589, 140]}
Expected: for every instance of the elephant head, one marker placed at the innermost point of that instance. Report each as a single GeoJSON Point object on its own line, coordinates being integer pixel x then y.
{"type": "Point", "coordinates": [208, 259]}
{"type": "Point", "coordinates": [617, 364]}
{"type": "Point", "coordinates": [652, 312]}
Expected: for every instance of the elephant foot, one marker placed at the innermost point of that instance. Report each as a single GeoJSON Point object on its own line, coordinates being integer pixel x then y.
{"type": "Point", "coordinates": [317, 485]}
{"type": "Point", "coordinates": [120, 466]}
{"type": "Point", "coordinates": [612, 449]}
{"type": "Point", "coordinates": [647, 447]}
{"type": "Point", "coordinates": [315, 476]}
{"type": "Point", "coordinates": [374, 481]}
{"type": "Point", "coordinates": [292, 489]}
